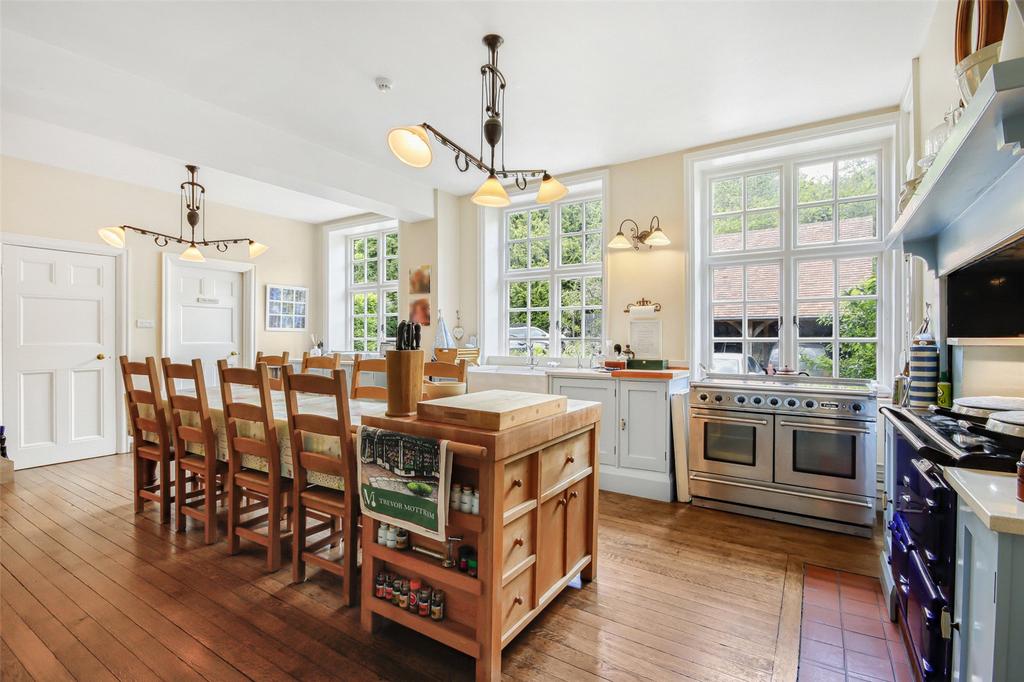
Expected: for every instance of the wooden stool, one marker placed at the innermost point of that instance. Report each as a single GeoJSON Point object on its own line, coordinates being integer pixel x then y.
{"type": "Point", "coordinates": [151, 442]}
{"type": "Point", "coordinates": [268, 488]}
{"type": "Point", "coordinates": [331, 507]}
{"type": "Point", "coordinates": [205, 474]}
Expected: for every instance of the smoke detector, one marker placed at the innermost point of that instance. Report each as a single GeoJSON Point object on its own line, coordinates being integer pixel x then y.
{"type": "Point", "coordinates": [383, 83]}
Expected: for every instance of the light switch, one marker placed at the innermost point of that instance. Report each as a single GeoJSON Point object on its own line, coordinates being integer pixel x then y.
{"type": "Point", "coordinates": [144, 324]}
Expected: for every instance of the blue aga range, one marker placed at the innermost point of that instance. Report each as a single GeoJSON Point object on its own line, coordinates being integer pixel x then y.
{"type": "Point", "coordinates": [919, 557]}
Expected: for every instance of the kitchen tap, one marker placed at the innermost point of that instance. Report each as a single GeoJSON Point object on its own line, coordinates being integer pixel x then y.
{"type": "Point", "coordinates": [533, 359]}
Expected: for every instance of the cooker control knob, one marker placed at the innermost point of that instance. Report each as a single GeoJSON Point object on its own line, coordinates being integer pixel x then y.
{"type": "Point", "coordinates": [774, 402]}
{"type": "Point", "coordinates": [757, 400]}
{"type": "Point", "coordinates": [856, 407]}
{"type": "Point", "coordinates": [810, 404]}
{"type": "Point", "coordinates": [718, 398]}
{"type": "Point", "coordinates": [703, 397]}
{"type": "Point", "coordinates": [740, 400]}
{"type": "Point", "coordinates": [792, 402]}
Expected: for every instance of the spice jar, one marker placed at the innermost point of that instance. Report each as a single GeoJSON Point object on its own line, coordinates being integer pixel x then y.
{"type": "Point", "coordinates": [464, 553]}
{"type": "Point", "coordinates": [396, 591]}
{"type": "Point", "coordinates": [423, 600]}
{"type": "Point", "coordinates": [472, 566]}
{"type": "Point", "coordinates": [456, 496]}
{"type": "Point", "coordinates": [392, 536]}
{"type": "Point", "coordinates": [437, 605]}
{"type": "Point", "coordinates": [402, 539]}
{"type": "Point", "coordinates": [466, 502]}
{"type": "Point", "coordinates": [403, 595]}
{"type": "Point", "coordinates": [475, 503]}
{"type": "Point", "coordinates": [382, 534]}
{"type": "Point", "coordinates": [389, 589]}
{"type": "Point", "coordinates": [414, 594]}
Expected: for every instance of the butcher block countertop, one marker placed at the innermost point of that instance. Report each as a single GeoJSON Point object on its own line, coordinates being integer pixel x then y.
{"type": "Point", "coordinates": [990, 495]}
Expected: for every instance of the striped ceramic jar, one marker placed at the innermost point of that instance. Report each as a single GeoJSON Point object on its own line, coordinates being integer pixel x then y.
{"type": "Point", "coordinates": [924, 375]}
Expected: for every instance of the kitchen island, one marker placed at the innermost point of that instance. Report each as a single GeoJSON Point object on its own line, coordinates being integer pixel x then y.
{"type": "Point", "coordinates": [536, 530]}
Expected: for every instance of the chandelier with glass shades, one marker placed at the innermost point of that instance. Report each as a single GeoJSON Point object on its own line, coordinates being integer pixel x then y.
{"type": "Point", "coordinates": [193, 211]}
{"type": "Point", "coordinates": [411, 144]}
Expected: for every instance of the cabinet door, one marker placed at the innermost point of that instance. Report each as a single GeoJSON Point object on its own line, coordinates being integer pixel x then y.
{"type": "Point", "coordinates": [975, 604]}
{"type": "Point", "coordinates": [643, 425]}
{"type": "Point", "coordinates": [577, 537]}
{"type": "Point", "coordinates": [551, 544]}
{"type": "Point", "coordinates": [601, 391]}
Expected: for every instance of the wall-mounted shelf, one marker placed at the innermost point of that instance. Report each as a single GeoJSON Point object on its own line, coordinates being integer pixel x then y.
{"type": "Point", "coordinates": [987, 341]}
{"type": "Point", "coordinates": [981, 158]}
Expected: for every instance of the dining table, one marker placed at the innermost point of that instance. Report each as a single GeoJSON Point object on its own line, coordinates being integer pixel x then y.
{"type": "Point", "coordinates": [307, 403]}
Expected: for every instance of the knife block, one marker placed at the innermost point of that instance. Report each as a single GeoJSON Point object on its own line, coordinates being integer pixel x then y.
{"type": "Point", "coordinates": [405, 381]}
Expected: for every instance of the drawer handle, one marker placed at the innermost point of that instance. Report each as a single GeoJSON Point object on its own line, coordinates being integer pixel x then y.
{"type": "Point", "coordinates": [561, 501]}
{"type": "Point", "coordinates": [573, 495]}
{"type": "Point", "coordinates": [570, 459]}
{"type": "Point", "coordinates": [517, 483]}
{"type": "Point", "coordinates": [518, 542]}
{"type": "Point", "coordinates": [518, 600]}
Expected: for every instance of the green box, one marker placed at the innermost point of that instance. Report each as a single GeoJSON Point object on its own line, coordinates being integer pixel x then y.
{"type": "Point", "coordinates": [646, 364]}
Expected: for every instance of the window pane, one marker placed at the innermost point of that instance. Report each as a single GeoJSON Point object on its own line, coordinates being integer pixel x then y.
{"type": "Point", "coordinates": [595, 219]}
{"type": "Point", "coordinates": [593, 322]}
{"type": "Point", "coordinates": [814, 319]}
{"type": "Point", "coordinates": [727, 283]}
{"type": "Point", "coordinates": [391, 302]}
{"type": "Point", "coordinates": [595, 247]}
{"type": "Point", "coordinates": [391, 244]}
{"type": "Point", "coordinates": [371, 303]}
{"type": "Point", "coordinates": [814, 225]}
{"type": "Point", "coordinates": [572, 250]}
{"type": "Point", "coordinates": [858, 276]}
{"type": "Point", "coordinates": [858, 219]}
{"type": "Point", "coordinates": [762, 190]}
{"type": "Point", "coordinates": [763, 282]}
{"type": "Point", "coordinates": [572, 218]}
{"type": "Point", "coordinates": [857, 177]}
{"type": "Point", "coordinates": [858, 360]}
{"type": "Point", "coordinates": [815, 359]}
{"type": "Point", "coordinates": [371, 344]}
{"type": "Point", "coordinates": [358, 327]}
{"type": "Point", "coordinates": [761, 353]}
{"type": "Point", "coordinates": [728, 358]}
{"type": "Point", "coordinates": [728, 320]}
{"type": "Point", "coordinates": [726, 233]}
{"type": "Point", "coordinates": [517, 225]}
{"type": "Point", "coordinates": [540, 222]}
{"type": "Point", "coordinates": [572, 348]}
{"type": "Point", "coordinates": [517, 320]}
{"type": "Point", "coordinates": [371, 270]}
{"type": "Point", "coordinates": [594, 294]}
{"type": "Point", "coordinates": [815, 183]}
{"type": "Point", "coordinates": [572, 323]}
{"type": "Point", "coordinates": [539, 253]}
{"type": "Point", "coordinates": [571, 294]}
{"type": "Point", "coordinates": [726, 195]}
{"type": "Point", "coordinates": [391, 270]}
{"type": "Point", "coordinates": [763, 230]}
{"type": "Point", "coordinates": [517, 294]}
{"type": "Point", "coordinates": [358, 249]}
{"type": "Point", "coordinates": [358, 345]}
{"type": "Point", "coordinates": [517, 256]}
{"type": "Point", "coordinates": [371, 247]}
{"type": "Point", "coordinates": [359, 272]}
{"type": "Point", "coordinates": [391, 326]}
{"type": "Point", "coordinates": [858, 319]}
{"type": "Point", "coordinates": [763, 320]}
{"type": "Point", "coordinates": [539, 294]}
{"type": "Point", "coordinates": [358, 304]}
{"type": "Point", "coordinates": [815, 279]}
{"type": "Point", "coordinates": [371, 326]}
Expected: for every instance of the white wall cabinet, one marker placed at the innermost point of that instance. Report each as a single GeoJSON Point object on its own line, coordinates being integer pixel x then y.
{"type": "Point", "coordinates": [636, 443]}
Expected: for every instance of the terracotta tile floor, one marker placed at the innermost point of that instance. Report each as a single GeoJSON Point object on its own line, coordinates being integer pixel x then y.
{"type": "Point", "coordinates": [845, 633]}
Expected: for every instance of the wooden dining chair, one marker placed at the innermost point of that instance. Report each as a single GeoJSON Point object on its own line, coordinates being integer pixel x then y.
{"type": "Point", "coordinates": [204, 475]}
{"type": "Point", "coordinates": [446, 370]}
{"type": "Point", "coordinates": [151, 440]}
{"type": "Point", "coordinates": [361, 391]}
{"type": "Point", "coordinates": [276, 365]}
{"type": "Point", "coordinates": [334, 511]}
{"type": "Point", "coordinates": [328, 362]}
{"type": "Point", "coordinates": [269, 489]}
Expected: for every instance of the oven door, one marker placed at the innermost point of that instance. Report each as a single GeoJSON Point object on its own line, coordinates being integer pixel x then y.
{"type": "Point", "coordinates": [826, 454]}
{"type": "Point", "coordinates": [731, 443]}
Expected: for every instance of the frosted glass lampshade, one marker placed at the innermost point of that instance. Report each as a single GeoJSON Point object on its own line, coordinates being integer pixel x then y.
{"type": "Point", "coordinates": [620, 241]}
{"type": "Point", "coordinates": [550, 190]}
{"type": "Point", "coordinates": [657, 238]}
{"type": "Point", "coordinates": [192, 255]}
{"type": "Point", "coordinates": [257, 249]}
{"type": "Point", "coordinates": [491, 194]}
{"type": "Point", "coordinates": [113, 236]}
{"type": "Point", "coordinates": [411, 145]}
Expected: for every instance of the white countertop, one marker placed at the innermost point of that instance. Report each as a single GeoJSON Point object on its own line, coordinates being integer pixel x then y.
{"type": "Point", "coordinates": [990, 495]}
{"type": "Point", "coordinates": [523, 370]}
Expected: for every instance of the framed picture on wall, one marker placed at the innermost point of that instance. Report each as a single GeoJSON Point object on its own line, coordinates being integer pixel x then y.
{"type": "Point", "coordinates": [287, 308]}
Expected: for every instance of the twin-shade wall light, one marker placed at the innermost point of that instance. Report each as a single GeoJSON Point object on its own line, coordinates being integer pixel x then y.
{"type": "Point", "coordinates": [193, 210]}
{"type": "Point", "coordinates": [651, 237]}
{"type": "Point", "coordinates": [411, 144]}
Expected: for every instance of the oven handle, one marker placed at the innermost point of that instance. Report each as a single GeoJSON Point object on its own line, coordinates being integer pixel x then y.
{"type": "Point", "coordinates": [732, 420]}
{"type": "Point", "coordinates": [824, 498]}
{"type": "Point", "coordinates": [898, 424]}
{"type": "Point", "coordinates": [822, 427]}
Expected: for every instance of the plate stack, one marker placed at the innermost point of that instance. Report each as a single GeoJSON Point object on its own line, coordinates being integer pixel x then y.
{"type": "Point", "coordinates": [924, 374]}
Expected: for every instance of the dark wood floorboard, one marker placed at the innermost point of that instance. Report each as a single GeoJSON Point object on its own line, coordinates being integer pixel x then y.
{"type": "Point", "coordinates": [91, 591]}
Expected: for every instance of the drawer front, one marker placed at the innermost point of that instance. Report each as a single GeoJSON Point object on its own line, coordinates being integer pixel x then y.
{"type": "Point", "coordinates": [517, 482]}
{"type": "Point", "coordinates": [563, 460]}
{"type": "Point", "coordinates": [517, 541]}
{"type": "Point", "coordinates": [516, 600]}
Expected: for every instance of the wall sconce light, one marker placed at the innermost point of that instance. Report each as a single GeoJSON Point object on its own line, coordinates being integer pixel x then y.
{"type": "Point", "coordinates": [650, 237]}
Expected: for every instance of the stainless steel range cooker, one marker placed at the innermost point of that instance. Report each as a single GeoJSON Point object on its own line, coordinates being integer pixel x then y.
{"type": "Point", "coordinates": [792, 449]}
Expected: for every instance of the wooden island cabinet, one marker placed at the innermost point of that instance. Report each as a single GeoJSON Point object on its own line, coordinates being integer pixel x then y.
{"type": "Point", "coordinates": [536, 531]}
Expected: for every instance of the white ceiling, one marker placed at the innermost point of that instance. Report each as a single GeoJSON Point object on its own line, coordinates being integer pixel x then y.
{"type": "Point", "coordinates": [589, 83]}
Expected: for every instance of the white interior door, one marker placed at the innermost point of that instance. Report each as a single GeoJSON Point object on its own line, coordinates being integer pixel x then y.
{"type": "Point", "coordinates": [204, 314]}
{"type": "Point", "coordinates": [59, 364]}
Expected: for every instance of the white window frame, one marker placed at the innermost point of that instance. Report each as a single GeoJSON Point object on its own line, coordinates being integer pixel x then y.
{"type": "Point", "coordinates": [381, 287]}
{"type": "Point", "coordinates": [789, 251]}
{"type": "Point", "coordinates": [555, 272]}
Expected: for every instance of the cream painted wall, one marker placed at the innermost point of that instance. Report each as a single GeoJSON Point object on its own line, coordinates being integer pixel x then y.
{"type": "Point", "coordinates": [417, 246]}
{"type": "Point", "coordinates": [50, 202]}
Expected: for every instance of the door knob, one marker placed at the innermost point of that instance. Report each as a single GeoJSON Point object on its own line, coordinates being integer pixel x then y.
{"type": "Point", "coordinates": [101, 356]}
{"type": "Point", "coordinates": [234, 352]}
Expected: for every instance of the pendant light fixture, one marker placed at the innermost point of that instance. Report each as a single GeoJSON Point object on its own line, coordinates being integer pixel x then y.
{"type": "Point", "coordinates": [193, 211]}
{"type": "Point", "coordinates": [411, 144]}
{"type": "Point", "coordinates": [650, 237]}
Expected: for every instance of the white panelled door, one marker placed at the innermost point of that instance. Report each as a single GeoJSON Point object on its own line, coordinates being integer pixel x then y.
{"type": "Point", "coordinates": [204, 315]}
{"type": "Point", "coordinates": [59, 364]}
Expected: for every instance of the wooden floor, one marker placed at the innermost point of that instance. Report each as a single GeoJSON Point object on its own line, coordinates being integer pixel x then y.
{"type": "Point", "coordinates": [91, 591]}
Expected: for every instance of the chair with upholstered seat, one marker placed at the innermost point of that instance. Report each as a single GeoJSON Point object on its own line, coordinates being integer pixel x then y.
{"type": "Point", "coordinates": [151, 439]}
{"type": "Point", "coordinates": [361, 391]}
{"type": "Point", "coordinates": [276, 365]}
{"type": "Point", "coordinates": [335, 509]}
{"type": "Point", "coordinates": [192, 430]}
{"type": "Point", "coordinates": [328, 362]}
{"type": "Point", "coordinates": [254, 463]}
